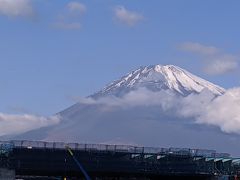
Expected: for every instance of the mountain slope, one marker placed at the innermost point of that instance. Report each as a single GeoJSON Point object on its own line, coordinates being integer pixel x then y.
{"type": "Point", "coordinates": [158, 78]}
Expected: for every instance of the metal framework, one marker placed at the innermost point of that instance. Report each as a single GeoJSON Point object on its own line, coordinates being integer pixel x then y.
{"type": "Point", "coordinates": [113, 148]}
{"type": "Point", "coordinates": [38, 158]}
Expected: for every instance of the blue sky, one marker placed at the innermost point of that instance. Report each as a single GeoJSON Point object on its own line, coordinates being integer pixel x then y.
{"type": "Point", "coordinates": [54, 50]}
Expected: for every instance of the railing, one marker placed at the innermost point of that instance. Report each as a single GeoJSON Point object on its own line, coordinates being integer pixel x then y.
{"type": "Point", "coordinates": [112, 148]}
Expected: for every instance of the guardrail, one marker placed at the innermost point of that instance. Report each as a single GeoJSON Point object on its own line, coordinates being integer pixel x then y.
{"type": "Point", "coordinates": [113, 148]}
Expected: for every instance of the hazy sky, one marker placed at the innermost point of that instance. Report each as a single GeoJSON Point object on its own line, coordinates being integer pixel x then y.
{"type": "Point", "coordinates": [54, 50]}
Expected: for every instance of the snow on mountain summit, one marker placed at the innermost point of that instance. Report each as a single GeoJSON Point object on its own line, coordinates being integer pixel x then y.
{"type": "Point", "coordinates": [159, 77]}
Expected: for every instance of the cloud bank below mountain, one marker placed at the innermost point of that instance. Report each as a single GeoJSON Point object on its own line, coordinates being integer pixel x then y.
{"type": "Point", "coordinates": [203, 108]}
{"type": "Point", "coordinates": [15, 124]}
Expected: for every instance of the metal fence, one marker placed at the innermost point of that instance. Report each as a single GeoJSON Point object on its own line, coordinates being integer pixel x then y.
{"type": "Point", "coordinates": [7, 145]}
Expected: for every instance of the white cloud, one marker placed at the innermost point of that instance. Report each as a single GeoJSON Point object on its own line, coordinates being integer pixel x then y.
{"type": "Point", "coordinates": [139, 97]}
{"type": "Point", "coordinates": [127, 17]}
{"type": "Point", "coordinates": [14, 8]}
{"type": "Point", "coordinates": [222, 111]}
{"type": "Point", "coordinates": [204, 108]}
{"type": "Point", "coordinates": [216, 62]}
{"type": "Point", "coordinates": [221, 65]}
{"type": "Point", "coordinates": [76, 7]}
{"type": "Point", "coordinates": [16, 124]}
{"type": "Point", "coordinates": [70, 20]}
{"type": "Point", "coordinates": [195, 47]}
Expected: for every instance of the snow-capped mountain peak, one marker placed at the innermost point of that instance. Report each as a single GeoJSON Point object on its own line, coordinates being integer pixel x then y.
{"type": "Point", "coordinates": [159, 77]}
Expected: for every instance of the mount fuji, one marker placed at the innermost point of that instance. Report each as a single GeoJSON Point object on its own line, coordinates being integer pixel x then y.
{"type": "Point", "coordinates": [142, 108]}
